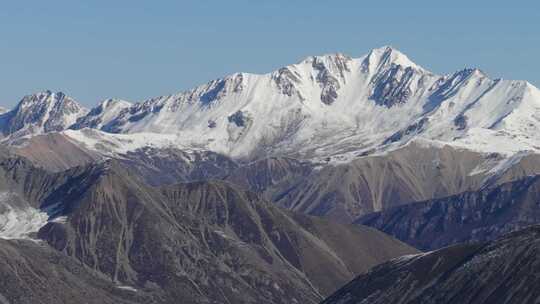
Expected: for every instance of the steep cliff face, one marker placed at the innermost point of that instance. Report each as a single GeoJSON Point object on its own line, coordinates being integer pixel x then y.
{"type": "Point", "coordinates": [471, 216]}
{"type": "Point", "coordinates": [502, 271]}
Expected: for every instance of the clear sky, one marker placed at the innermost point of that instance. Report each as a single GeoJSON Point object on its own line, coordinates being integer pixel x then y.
{"type": "Point", "coordinates": [97, 49]}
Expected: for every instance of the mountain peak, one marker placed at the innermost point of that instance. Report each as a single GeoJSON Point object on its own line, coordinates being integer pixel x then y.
{"type": "Point", "coordinates": [388, 55]}
{"type": "Point", "coordinates": [41, 112]}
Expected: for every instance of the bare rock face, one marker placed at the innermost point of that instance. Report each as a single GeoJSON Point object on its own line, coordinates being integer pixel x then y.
{"type": "Point", "coordinates": [330, 71]}
{"type": "Point", "coordinates": [217, 89]}
{"type": "Point", "coordinates": [286, 81]}
{"type": "Point", "coordinates": [408, 132]}
{"type": "Point", "coordinates": [502, 271]}
{"type": "Point", "coordinates": [393, 86]}
{"type": "Point", "coordinates": [481, 215]}
{"type": "Point", "coordinates": [238, 118]}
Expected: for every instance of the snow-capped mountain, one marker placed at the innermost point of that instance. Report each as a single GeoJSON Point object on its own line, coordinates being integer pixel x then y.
{"type": "Point", "coordinates": [3, 110]}
{"type": "Point", "coordinates": [341, 107]}
{"type": "Point", "coordinates": [330, 107]}
{"type": "Point", "coordinates": [41, 113]}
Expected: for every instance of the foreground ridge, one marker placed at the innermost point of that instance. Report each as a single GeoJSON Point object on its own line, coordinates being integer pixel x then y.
{"type": "Point", "coordinates": [502, 271]}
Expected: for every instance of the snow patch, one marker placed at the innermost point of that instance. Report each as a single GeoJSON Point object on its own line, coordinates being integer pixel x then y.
{"type": "Point", "coordinates": [126, 287]}
{"type": "Point", "coordinates": [109, 144]}
{"type": "Point", "coordinates": [410, 257]}
{"type": "Point", "coordinates": [19, 222]}
{"type": "Point", "coordinates": [59, 220]}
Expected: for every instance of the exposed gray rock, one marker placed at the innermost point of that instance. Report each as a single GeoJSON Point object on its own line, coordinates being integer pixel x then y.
{"type": "Point", "coordinates": [409, 132]}
{"type": "Point", "coordinates": [238, 118]}
{"type": "Point", "coordinates": [219, 88]}
{"type": "Point", "coordinates": [286, 82]}
{"type": "Point", "coordinates": [330, 70]}
{"type": "Point", "coordinates": [461, 122]}
{"type": "Point", "coordinates": [392, 87]}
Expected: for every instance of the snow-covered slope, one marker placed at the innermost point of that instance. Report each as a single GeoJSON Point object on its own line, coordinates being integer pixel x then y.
{"type": "Point", "coordinates": [3, 110]}
{"type": "Point", "coordinates": [330, 107]}
{"type": "Point", "coordinates": [40, 113]}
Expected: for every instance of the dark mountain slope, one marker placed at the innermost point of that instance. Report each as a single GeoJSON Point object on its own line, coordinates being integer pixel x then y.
{"type": "Point", "coordinates": [35, 273]}
{"type": "Point", "coordinates": [471, 216]}
{"type": "Point", "coordinates": [504, 271]}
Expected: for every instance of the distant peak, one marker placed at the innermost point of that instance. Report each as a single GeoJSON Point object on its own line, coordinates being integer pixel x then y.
{"type": "Point", "coordinates": [46, 101]}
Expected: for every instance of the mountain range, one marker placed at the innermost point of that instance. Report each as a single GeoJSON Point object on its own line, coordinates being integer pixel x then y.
{"type": "Point", "coordinates": [262, 188]}
{"type": "Point", "coordinates": [330, 107]}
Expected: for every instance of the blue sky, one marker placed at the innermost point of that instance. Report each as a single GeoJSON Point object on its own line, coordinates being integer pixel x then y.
{"type": "Point", "coordinates": [93, 50]}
